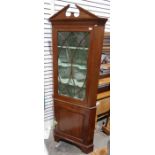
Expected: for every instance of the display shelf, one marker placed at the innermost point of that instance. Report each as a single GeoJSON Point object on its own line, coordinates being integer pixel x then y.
{"type": "Point", "coordinates": [72, 82]}
{"type": "Point", "coordinates": [104, 81]}
{"type": "Point", "coordinates": [107, 49]}
{"type": "Point", "coordinates": [73, 48]}
{"type": "Point", "coordinates": [103, 88]}
{"type": "Point", "coordinates": [104, 75]}
{"type": "Point", "coordinates": [103, 95]}
{"type": "Point", "coordinates": [62, 64]}
{"type": "Point", "coordinates": [105, 66]}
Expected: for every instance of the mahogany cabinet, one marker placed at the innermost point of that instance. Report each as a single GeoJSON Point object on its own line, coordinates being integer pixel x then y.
{"type": "Point", "coordinates": [77, 46]}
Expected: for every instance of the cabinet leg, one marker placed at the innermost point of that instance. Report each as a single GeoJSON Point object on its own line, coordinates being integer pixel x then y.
{"type": "Point", "coordinates": [56, 138]}
{"type": "Point", "coordinates": [84, 148]}
{"type": "Point", "coordinates": [87, 149]}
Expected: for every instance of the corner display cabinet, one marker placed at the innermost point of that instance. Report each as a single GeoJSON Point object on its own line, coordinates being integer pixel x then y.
{"type": "Point", "coordinates": [77, 47]}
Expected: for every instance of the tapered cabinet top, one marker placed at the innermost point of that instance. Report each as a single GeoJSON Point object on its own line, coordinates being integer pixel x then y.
{"type": "Point", "coordinates": [84, 16]}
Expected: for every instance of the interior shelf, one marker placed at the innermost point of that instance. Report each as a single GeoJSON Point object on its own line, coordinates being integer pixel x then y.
{"type": "Point", "coordinates": [104, 75]}
{"type": "Point", "coordinates": [73, 82]}
{"type": "Point", "coordinates": [63, 64]}
{"type": "Point", "coordinates": [104, 81]}
{"type": "Point", "coordinates": [103, 95]}
{"type": "Point", "coordinates": [105, 66]}
{"type": "Point", "coordinates": [103, 88]}
{"type": "Point", "coordinates": [74, 48]}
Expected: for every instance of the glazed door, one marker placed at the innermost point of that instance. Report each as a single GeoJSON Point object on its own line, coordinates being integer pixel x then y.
{"type": "Point", "coordinates": [71, 65]}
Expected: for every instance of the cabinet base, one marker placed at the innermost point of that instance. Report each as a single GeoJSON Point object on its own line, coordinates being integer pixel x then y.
{"type": "Point", "coordinates": [84, 148]}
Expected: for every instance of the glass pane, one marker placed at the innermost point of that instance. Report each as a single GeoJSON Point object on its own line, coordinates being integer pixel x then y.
{"type": "Point", "coordinates": [72, 63]}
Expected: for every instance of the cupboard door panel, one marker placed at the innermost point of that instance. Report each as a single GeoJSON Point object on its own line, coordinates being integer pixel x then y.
{"type": "Point", "coordinates": [71, 123]}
